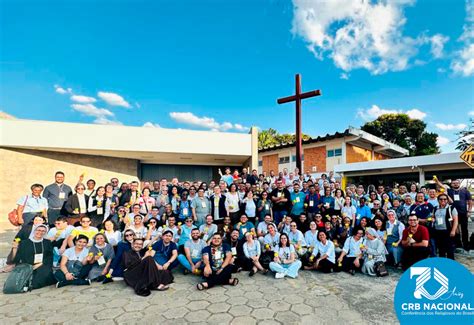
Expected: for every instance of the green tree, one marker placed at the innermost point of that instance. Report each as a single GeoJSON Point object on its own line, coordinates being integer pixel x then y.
{"type": "Point", "coordinates": [271, 137]}
{"type": "Point", "coordinates": [404, 131]}
{"type": "Point", "coordinates": [466, 137]}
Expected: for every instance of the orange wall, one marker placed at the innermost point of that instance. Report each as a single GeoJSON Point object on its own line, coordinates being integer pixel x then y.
{"type": "Point", "coordinates": [315, 157]}
{"type": "Point", "coordinates": [357, 154]}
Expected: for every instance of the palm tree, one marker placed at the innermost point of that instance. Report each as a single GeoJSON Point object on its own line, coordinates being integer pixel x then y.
{"type": "Point", "coordinates": [466, 137]}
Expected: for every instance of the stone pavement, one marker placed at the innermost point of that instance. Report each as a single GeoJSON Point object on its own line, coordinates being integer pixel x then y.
{"type": "Point", "coordinates": [313, 298]}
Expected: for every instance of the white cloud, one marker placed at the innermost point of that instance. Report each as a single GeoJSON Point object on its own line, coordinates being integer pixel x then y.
{"type": "Point", "coordinates": [61, 90]}
{"type": "Point", "coordinates": [437, 45]}
{"type": "Point", "coordinates": [106, 121]}
{"type": "Point", "coordinates": [83, 99]}
{"type": "Point", "coordinates": [205, 122]}
{"type": "Point", "coordinates": [91, 110]}
{"type": "Point", "coordinates": [375, 111]}
{"type": "Point", "coordinates": [463, 62]}
{"type": "Point", "coordinates": [448, 127]}
{"type": "Point", "coordinates": [471, 113]}
{"type": "Point", "coordinates": [441, 141]}
{"type": "Point", "coordinates": [113, 99]}
{"type": "Point", "coordinates": [358, 33]}
{"type": "Point", "coordinates": [151, 125]}
{"type": "Point", "coordinates": [344, 76]}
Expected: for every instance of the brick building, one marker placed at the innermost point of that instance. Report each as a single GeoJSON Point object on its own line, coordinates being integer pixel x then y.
{"type": "Point", "coordinates": [321, 154]}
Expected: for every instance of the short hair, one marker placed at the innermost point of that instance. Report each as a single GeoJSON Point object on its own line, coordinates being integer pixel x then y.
{"type": "Point", "coordinates": [79, 237]}
{"type": "Point", "coordinates": [61, 218]}
{"type": "Point", "coordinates": [84, 216]}
{"type": "Point", "coordinates": [59, 173]}
{"type": "Point", "coordinates": [36, 185]}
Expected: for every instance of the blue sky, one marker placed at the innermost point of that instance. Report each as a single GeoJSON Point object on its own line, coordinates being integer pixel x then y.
{"type": "Point", "coordinates": [221, 65]}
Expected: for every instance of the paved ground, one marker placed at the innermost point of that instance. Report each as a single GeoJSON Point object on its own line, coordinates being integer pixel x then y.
{"type": "Point", "coordinates": [313, 298]}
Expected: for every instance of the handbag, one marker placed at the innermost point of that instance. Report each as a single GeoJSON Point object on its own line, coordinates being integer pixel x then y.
{"type": "Point", "coordinates": [19, 280]}
{"type": "Point", "coordinates": [380, 269]}
{"type": "Point", "coordinates": [13, 215]}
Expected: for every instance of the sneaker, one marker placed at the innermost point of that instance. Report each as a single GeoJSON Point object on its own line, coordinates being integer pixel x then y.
{"type": "Point", "coordinates": [117, 278]}
{"type": "Point", "coordinates": [279, 275]}
{"type": "Point", "coordinates": [60, 284]}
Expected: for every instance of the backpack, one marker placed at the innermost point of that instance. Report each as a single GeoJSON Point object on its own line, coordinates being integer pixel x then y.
{"type": "Point", "coordinates": [19, 280]}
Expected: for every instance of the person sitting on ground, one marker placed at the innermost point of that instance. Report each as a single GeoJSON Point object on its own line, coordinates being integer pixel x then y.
{"type": "Point", "coordinates": [103, 253]}
{"type": "Point", "coordinates": [38, 252]}
{"type": "Point", "coordinates": [166, 252]}
{"type": "Point", "coordinates": [296, 238]}
{"type": "Point", "coordinates": [225, 228]}
{"type": "Point", "coordinates": [140, 270]}
{"type": "Point", "coordinates": [262, 228]}
{"type": "Point", "coordinates": [137, 226]}
{"type": "Point", "coordinates": [217, 259]}
{"type": "Point", "coordinates": [415, 242]}
{"type": "Point", "coordinates": [208, 229]}
{"type": "Point", "coordinates": [252, 251]}
{"type": "Point", "coordinates": [285, 262]}
{"type": "Point", "coordinates": [374, 252]}
{"type": "Point", "coordinates": [323, 257]}
{"type": "Point", "coordinates": [184, 231]}
{"type": "Point", "coordinates": [75, 267]}
{"type": "Point", "coordinates": [27, 229]}
{"type": "Point", "coordinates": [285, 225]}
{"type": "Point", "coordinates": [191, 260]}
{"type": "Point", "coordinates": [237, 250]}
{"type": "Point", "coordinates": [311, 240]}
{"type": "Point", "coordinates": [116, 268]}
{"type": "Point", "coordinates": [351, 256]}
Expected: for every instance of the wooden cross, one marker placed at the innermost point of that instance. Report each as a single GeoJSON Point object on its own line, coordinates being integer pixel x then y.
{"type": "Point", "coordinates": [297, 97]}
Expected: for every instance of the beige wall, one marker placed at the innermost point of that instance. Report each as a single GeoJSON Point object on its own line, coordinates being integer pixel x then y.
{"type": "Point", "coordinates": [20, 168]}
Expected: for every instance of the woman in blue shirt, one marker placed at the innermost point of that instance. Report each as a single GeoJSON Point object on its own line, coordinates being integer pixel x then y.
{"type": "Point", "coordinates": [252, 251]}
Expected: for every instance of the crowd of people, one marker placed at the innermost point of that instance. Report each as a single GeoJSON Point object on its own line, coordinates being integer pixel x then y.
{"type": "Point", "coordinates": [279, 223]}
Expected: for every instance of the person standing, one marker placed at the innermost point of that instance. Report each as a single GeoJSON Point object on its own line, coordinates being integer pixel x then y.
{"type": "Point", "coordinates": [31, 204]}
{"type": "Point", "coordinates": [461, 199]}
{"type": "Point", "coordinates": [201, 207]}
{"type": "Point", "coordinates": [445, 225]}
{"type": "Point", "coordinates": [57, 195]}
{"type": "Point", "coordinates": [281, 202]}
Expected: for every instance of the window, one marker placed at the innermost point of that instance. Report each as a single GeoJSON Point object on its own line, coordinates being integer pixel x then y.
{"type": "Point", "coordinates": [293, 158]}
{"type": "Point", "coordinates": [260, 163]}
{"type": "Point", "coordinates": [334, 153]}
{"type": "Point", "coordinates": [284, 160]}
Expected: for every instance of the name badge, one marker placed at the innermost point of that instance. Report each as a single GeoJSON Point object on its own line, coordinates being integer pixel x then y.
{"type": "Point", "coordinates": [311, 203]}
{"type": "Point", "coordinates": [62, 195]}
{"type": "Point", "coordinates": [370, 257]}
{"type": "Point", "coordinates": [456, 197]}
{"type": "Point", "coordinates": [101, 261]}
{"type": "Point", "coordinates": [244, 181]}
{"type": "Point", "coordinates": [218, 255]}
{"type": "Point", "coordinates": [38, 258]}
{"type": "Point", "coordinates": [297, 199]}
{"type": "Point", "coordinates": [234, 251]}
{"type": "Point", "coordinates": [100, 210]}
{"type": "Point", "coordinates": [267, 206]}
{"type": "Point", "coordinates": [194, 253]}
{"type": "Point", "coordinates": [244, 231]}
{"type": "Point", "coordinates": [203, 204]}
{"type": "Point", "coordinates": [279, 194]}
{"type": "Point", "coordinates": [216, 203]}
{"type": "Point", "coordinates": [440, 221]}
{"type": "Point", "coordinates": [389, 231]}
{"type": "Point", "coordinates": [205, 237]}
{"type": "Point", "coordinates": [83, 211]}
{"type": "Point", "coordinates": [185, 211]}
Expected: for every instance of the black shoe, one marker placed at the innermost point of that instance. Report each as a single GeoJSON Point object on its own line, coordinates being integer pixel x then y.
{"type": "Point", "coordinates": [186, 271]}
{"type": "Point", "coordinates": [252, 273]}
{"type": "Point", "coordinates": [107, 280]}
{"type": "Point", "coordinates": [352, 272]}
{"type": "Point", "coordinates": [61, 284]}
{"type": "Point", "coordinates": [100, 278]}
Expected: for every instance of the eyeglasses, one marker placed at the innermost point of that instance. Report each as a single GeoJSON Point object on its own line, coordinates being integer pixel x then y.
{"type": "Point", "coordinates": [80, 189]}
{"type": "Point", "coordinates": [85, 221]}
{"type": "Point", "coordinates": [442, 199]}
{"type": "Point", "coordinates": [188, 221]}
{"type": "Point", "coordinates": [128, 235]}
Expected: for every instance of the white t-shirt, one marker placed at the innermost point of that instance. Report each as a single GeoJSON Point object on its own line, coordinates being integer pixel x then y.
{"type": "Point", "coordinates": [62, 234]}
{"type": "Point", "coordinates": [71, 255]}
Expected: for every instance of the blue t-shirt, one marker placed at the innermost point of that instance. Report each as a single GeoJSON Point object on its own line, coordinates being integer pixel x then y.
{"type": "Point", "coordinates": [216, 256]}
{"type": "Point", "coordinates": [244, 229]}
{"type": "Point", "coordinates": [298, 203]}
{"type": "Point", "coordinates": [163, 253]}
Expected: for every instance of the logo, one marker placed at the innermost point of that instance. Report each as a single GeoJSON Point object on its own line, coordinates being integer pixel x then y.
{"type": "Point", "coordinates": [424, 275]}
{"type": "Point", "coordinates": [435, 290]}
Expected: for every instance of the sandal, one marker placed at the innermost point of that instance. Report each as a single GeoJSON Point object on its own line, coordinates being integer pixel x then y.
{"type": "Point", "coordinates": [234, 282]}
{"type": "Point", "coordinates": [201, 286]}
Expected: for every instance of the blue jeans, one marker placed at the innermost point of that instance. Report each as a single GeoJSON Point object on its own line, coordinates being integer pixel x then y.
{"type": "Point", "coordinates": [278, 216]}
{"type": "Point", "coordinates": [185, 263]}
{"type": "Point", "coordinates": [289, 269]}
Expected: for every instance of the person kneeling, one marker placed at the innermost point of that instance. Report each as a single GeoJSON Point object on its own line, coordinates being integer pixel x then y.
{"type": "Point", "coordinates": [351, 255]}
{"type": "Point", "coordinates": [323, 255]}
{"type": "Point", "coordinates": [217, 268]}
{"type": "Point", "coordinates": [141, 272]}
{"type": "Point", "coordinates": [191, 260]}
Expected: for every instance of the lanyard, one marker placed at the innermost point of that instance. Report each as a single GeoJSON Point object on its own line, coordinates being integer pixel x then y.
{"type": "Point", "coordinates": [42, 247]}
